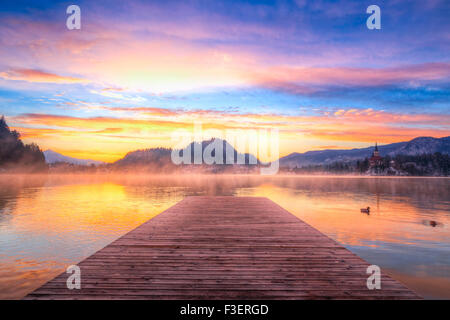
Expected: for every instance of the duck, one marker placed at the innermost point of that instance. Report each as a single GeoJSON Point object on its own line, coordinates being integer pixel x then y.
{"type": "Point", "coordinates": [366, 210]}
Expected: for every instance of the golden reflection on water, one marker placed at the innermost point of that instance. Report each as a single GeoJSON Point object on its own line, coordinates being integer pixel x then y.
{"type": "Point", "coordinates": [50, 222]}
{"type": "Point", "coordinates": [338, 214]}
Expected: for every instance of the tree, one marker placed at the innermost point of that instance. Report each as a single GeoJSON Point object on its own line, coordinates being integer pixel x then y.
{"type": "Point", "coordinates": [15, 155]}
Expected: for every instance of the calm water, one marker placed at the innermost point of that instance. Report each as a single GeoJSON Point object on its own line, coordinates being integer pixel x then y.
{"type": "Point", "coordinates": [48, 223]}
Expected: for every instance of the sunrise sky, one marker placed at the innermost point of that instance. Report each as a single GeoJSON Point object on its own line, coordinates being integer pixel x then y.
{"type": "Point", "coordinates": [138, 70]}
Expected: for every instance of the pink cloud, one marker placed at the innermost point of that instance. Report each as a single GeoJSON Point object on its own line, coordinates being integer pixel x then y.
{"type": "Point", "coordinates": [165, 56]}
{"type": "Point", "coordinates": [31, 75]}
{"type": "Point", "coordinates": [299, 79]}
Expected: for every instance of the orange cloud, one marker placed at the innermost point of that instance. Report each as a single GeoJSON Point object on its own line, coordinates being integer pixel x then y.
{"type": "Point", "coordinates": [31, 75]}
{"type": "Point", "coordinates": [116, 136]}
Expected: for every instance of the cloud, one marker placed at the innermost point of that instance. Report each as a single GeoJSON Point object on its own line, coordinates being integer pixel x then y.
{"type": "Point", "coordinates": [305, 80]}
{"type": "Point", "coordinates": [177, 47]}
{"type": "Point", "coordinates": [329, 147]}
{"type": "Point", "coordinates": [31, 75]}
{"type": "Point", "coordinates": [110, 138]}
{"type": "Point", "coordinates": [110, 130]}
{"type": "Point", "coordinates": [116, 135]}
{"type": "Point", "coordinates": [314, 49]}
{"type": "Point", "coordinates": [116, 95]}
{"type": "Point", "coordinates": [113, 89]}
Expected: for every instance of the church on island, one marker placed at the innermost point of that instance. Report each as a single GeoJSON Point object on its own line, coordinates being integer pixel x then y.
{"type": "Point", "coordinates": [375, 160]}
{"type": "Point", "coordinates": [379, 166]}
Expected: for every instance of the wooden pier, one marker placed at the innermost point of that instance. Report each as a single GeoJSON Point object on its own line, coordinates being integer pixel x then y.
{"type": "Point", "coordinates": [223, 248]}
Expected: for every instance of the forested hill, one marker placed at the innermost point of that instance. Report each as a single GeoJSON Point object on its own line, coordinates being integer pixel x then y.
{"type": "Point", "coordinates": [15, 155]}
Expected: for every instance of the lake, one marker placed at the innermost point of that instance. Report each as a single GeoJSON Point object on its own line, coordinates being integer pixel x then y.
{"type": "Point", "coordinates": [50, 222]}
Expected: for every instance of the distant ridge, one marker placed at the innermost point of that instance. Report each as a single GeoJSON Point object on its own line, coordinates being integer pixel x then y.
{"type": "Point", "coordinates": [417, 146]}
{"type": "Point", "coordinates": [160, 157]}
{"type": "Point", "coordinates": [156, 159]}
{"type": "Point", "coordinates": [163, 155]}
{"type": "Point", "coordinates": [54, 157]}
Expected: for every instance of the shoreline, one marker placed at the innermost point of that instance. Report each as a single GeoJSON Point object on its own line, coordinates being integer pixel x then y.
{"type": "Point", "coordinates": [178, 175]}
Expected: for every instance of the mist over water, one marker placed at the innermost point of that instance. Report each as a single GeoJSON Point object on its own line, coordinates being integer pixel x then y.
{"type": "Point", "coordinates": [50, 222]}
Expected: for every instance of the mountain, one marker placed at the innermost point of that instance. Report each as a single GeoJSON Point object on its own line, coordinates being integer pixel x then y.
{"type": "Point", "coordinates": [246, 158]}
{"type": "Point", "coordinates": [54, 157]}
{"type": "Point", "coordinates": [416, 146]}
{"type": "Point", "coordinates": [145, 156]}
{"type": "Point", "coordinates": [423, 145]}
{"type": "Point", "coordinates": [160, 159]}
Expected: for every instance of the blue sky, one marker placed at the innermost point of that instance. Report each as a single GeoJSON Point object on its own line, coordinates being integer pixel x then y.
{"type": "Point", "coordinates": [312, 69]}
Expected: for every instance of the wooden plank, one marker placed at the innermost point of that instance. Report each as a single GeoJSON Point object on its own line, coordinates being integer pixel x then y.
{"type": "Point", "coordinates": [223, 248]}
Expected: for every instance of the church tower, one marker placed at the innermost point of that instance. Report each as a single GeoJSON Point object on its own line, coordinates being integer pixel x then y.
{"type": "Point", "coordinates": [375, 159]}
{"type": "Point", "coordinates": [375, 152]}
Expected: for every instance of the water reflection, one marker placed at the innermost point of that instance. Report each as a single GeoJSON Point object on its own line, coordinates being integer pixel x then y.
{"type": "Point", "coordinates": [47, 223]}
